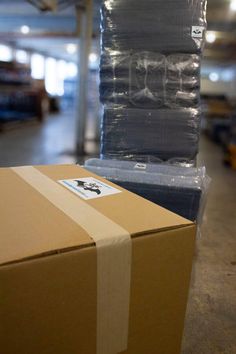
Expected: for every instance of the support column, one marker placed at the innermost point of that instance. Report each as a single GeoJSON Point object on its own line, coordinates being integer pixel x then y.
{"type": "Point", "coordinates": [85, 31]}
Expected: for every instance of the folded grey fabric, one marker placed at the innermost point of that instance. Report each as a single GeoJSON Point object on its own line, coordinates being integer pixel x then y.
{"type": "Point", "coordinates": [139, 133]}
{"type": "Point", "coordinates": [157, 25]}
{"type": "Point", "coordinates": [178, 189]}
{"type": "Point", "coordinates": [150, 80]}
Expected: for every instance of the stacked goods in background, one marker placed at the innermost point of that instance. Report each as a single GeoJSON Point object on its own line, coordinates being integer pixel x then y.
{"type": "Point", "coordinates": [150, 78]}
{"type": "Point", "coordinates": [20, 97]}
{"type": "Point", "coordinates": [230, 144]}
{"type": "Point", "coordinates": [150, 89]}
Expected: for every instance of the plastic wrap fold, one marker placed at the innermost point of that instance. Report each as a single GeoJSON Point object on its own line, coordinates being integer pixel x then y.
{"type": "Point", "coordinates": [179, 189]}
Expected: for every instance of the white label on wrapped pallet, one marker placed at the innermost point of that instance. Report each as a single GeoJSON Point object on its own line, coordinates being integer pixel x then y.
{"type": "Point", "coordinates": [197, 31]}
{"type": "Point", "coordinates": [140, 166]}
{"type": "Point", "coordinates": [89, 187]}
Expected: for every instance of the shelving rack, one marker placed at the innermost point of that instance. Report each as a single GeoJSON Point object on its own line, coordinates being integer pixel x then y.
{"type": "Point", "coordinates": [20, 98]}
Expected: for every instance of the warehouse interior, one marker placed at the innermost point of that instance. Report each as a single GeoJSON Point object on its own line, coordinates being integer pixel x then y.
{"type": "Point", "coordinates": [50, 114]}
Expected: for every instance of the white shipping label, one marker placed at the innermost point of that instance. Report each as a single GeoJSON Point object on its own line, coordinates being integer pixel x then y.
{"type": "Point", "coordinates": [140, 166]}
{"type": "Point", "coordinates": [197, 31]}
{"type": "Point", "coordinates": [89, 187]}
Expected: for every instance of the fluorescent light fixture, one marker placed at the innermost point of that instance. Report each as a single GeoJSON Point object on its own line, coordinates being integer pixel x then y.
{"type": "Point", "coordinates": [210, 37]}
{"type": "Point", "coordinates": [233, 5]}
{"type": "Point", "coordinates": [71, 48]}
{"type": "Point", "coordinates": [214, 77]}
{"type": "Point", "coordinates": [25, 29]}
{"type": "Point", "coordinates": [93, 57]}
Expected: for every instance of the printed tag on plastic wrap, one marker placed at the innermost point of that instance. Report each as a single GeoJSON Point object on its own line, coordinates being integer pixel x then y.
{"type": "Point", "coordinates": [140, 166]}
{"type": "Point", "coordinates": [197, 31]}
{"type": "Point", "coordinates": [89, 187]}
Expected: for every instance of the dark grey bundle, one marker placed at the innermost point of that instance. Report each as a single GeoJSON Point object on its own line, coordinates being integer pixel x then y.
{"type": "Point", "coordinates": [155, 25]}
{"type": "Point", "coordinates": [179, 189]}
{"type": "Point", "coordinates": [141, 134]}
{"type": "Point", "coordinates": [150, 80]}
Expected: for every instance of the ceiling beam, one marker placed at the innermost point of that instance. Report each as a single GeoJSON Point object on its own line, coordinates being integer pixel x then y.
{"type": "Point", "coordinates": [8, 37]}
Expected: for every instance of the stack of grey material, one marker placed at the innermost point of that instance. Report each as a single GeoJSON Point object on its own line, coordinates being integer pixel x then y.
{"type": "Point", "coordinates": [149, 86]}
{"type": "Point", "coordinates": [179, 189]}
{"type": "Point", "coordinates": [164, 26]}
{"type": "Point", "coordinates": [150, 69]}
{"type": "Point", "coordinates": [138, 134]}
{"type": "Point", "coordinates": [150, 80]}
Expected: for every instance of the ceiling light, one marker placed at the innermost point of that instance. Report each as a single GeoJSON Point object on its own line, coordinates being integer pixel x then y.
{"type": "Point", "coordinates": [71, 48]}
{"type": "Point", "coordinates": [25, 29]}
{"type": "Point", "coordinates": [210, 37]}
{"type": "Point", "coordinates": [214, 77]}
{"type": "Point", "coordinates": [233, 5]}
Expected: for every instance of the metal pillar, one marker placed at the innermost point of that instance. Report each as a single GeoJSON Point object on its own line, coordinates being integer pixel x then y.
{"type": "Point", "coordinates": [85, 30]}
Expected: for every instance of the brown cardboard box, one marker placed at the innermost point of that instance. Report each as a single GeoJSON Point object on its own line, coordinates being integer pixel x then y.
{"type": "Point", "coordinates": [48, 265]}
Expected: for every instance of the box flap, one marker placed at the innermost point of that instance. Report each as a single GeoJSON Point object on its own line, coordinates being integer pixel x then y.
{"type": "Point", "coordinates": [31, 225]}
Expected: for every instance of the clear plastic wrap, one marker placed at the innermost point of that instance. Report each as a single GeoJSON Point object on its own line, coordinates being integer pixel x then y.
{"type": "Point", "coordinates": [165, 26]}
{"type": "Point", "coordinates": [150, 80]}
{"type": "Point", "coordinates": [181, 190]}
{"type": "Point", "coordinates": [144, 134]}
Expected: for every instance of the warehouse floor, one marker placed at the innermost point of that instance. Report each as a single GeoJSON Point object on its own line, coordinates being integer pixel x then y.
{"type": "Point", "coordinates": [211, 315]}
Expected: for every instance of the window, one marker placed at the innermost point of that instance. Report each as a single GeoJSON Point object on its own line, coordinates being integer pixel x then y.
{"type": "Point", "coordinates": [51, 76]}
{"type": "Point", "coordinates": [61, 71]}
{"type": "Point", "coordinates": [22, 56]}
{"type": "Point", "coordinates": [6, 53]}
{"type": "Point", "coordinates": [37, 66]}
{"type": "Point", "coordinates": [71, 70]}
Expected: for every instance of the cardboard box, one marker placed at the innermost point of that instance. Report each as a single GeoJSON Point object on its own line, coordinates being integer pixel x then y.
{"type": "Point", "coordinates": [87, 267]}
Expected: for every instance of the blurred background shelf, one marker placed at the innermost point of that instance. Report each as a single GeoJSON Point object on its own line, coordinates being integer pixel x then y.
{"type": "Point", "coordinates": [20, 98]}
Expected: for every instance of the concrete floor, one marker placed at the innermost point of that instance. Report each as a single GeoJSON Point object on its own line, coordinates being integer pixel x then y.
{"type": "Point", "coordinates": [32, 143]}
{"type": "Point", "coordinates": [211, 315]}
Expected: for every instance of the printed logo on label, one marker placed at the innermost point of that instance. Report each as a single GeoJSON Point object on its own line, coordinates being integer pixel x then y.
{"type": "Point", "coordinates": [197, 31]}
{"type": "Point", "coordinates": [140, 166]}
{"type": "Point", "coordinates": [89, 187]}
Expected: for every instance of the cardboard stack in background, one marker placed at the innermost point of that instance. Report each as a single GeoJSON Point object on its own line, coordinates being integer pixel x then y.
{"type": "Point", "coordinates": [150, 89]}
{"type": "Point", "coordinates": [89, 276]}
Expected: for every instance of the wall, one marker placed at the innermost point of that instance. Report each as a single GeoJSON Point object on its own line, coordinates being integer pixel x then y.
{"type": "Point", "coordinates": [220, 87]}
